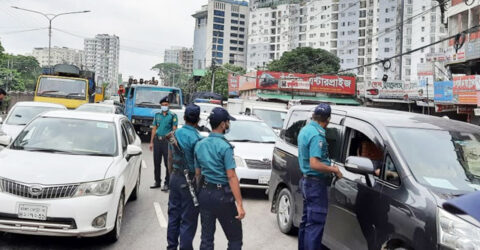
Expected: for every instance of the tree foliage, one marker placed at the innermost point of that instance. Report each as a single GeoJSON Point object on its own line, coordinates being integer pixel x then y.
{"type": "Point", "coordinates": [306, 60]}
{"type": "Point", "coordinates": [221, 79]}
{"type": "Point", "coordinates": [18, 72]}
{"type": "Point", "coordinates": [172, 74]}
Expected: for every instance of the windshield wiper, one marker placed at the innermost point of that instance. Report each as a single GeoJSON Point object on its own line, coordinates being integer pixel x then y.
{"type": "Point", "coordinates": [94, 154]}
{"type": "Point", "coordinates": [74, 94]}
{"type": "Point", "coordinates": [47, 150]}
{"type": "Point", "coordinates": [147, 103]}
{"type": "Point", "coordinates": [48, 91]}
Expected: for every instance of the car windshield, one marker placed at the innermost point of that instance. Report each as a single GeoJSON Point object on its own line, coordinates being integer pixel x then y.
{"type": "Point", "coordinates": [152, 97]}
{"type": "Point", "coordinates": [69, 136]}
{"type": "Point", "coordinates": [62, 87]}
{"type": "Point", "coordinates": [273, 118]}
{"type": "Point", "coordinates": [445, 160]}
{"type": "Point", "coordinates": [96, 109]}
{"type": "Point", "coordinates": [21, 115]}
{"type": "Point", "coordinates": [250, 131]}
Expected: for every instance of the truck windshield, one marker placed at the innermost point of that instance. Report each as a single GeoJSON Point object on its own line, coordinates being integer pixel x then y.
{"type": "Point", "coordinates": [273, 118]}
{"type": "Point", "coordinates": [151, 97]}
{"type": "Point", "coordinates": [62, 87]}
{"type": "Point", "coordinates": [445, 160]}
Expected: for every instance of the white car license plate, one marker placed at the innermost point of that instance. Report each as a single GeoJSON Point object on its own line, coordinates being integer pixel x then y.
{"type": "Point", "coordinates": [263, 179]}
{"type": "Point", "coordinates": [34, 212]}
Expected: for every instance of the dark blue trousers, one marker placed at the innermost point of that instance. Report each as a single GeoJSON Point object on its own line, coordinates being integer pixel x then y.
{"type": "Point", "coordinates": [315, 206]}
{"type": "Point", "coordinates": [219, 204]}
{"type": "Point", "coordinates": [182, 214]}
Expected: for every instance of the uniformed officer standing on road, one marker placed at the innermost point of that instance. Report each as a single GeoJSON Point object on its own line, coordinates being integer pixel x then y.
{"type": "Point", "coordinates": [182, 214]}
{"type": "Point", "coordinates": [163, 123]}
{"type": "Point", "coordinates": [219, 196]}
{"type": "Point", "coordinates": [316, 167]}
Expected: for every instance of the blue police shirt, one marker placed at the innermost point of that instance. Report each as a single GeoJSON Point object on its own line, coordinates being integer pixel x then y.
{"type": "Point", "coordinates": [165, 123]}
{"type": "Point", "coordinates": [187, 137]}
{"type": "Point", "coordinates": [312, 143]}
{"type": "Point", "coordinates": [214, 155]}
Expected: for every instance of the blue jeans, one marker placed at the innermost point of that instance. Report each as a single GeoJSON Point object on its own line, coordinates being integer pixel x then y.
{"type": "Point", "coordinates": [219, 204]}
{"type": "Point", "coordinates": [315, 206]}
{"type": "Point", "coordinates": [182, 214]}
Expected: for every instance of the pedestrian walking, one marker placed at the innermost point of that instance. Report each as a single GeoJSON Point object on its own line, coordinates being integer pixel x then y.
{"type": "Point", "coordinates": [163, 123]}
{"type": "Point", "coordinates": [219, 196]}
{"type": "Point", "coordinates": [182, 209]}
{"type": "Point", "coordinates": [316, 167]}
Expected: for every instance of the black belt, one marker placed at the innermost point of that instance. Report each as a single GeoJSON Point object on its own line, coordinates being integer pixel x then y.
{"type": "Point", "coordinates": [213, 186]}
{"type": "Point", "coordinates": [177, 171]}
{"type": "Point", "coordinates": [314, 177]}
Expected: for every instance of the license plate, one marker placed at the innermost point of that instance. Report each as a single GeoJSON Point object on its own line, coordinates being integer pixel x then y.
{"type": "Point", "coordinates": [34, 212]}
{"type": "Point", "coordinates": [263, 179]}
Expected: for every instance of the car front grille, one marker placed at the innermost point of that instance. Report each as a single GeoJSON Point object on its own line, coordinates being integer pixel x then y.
{"type": "Point", "coordinates": [34, 191]}
{"type": "Point", "coordinates": [141, 120]}
{"type": "Point", "coordinates": [265, 164]}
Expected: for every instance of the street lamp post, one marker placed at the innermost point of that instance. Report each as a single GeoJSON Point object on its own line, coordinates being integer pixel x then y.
{"type": "Point", "coordinates": [50, 18]}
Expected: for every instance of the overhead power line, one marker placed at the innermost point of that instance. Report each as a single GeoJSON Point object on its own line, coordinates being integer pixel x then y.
{"type": "Point", "coordinates": [21, 31]}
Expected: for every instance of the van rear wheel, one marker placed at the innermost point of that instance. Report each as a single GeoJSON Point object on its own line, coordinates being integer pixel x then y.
{"type": "Point", "coordinates": [285, 212]}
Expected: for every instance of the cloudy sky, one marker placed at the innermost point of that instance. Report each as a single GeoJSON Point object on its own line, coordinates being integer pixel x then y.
{"type": "Point", "coordinates": [145, 27]}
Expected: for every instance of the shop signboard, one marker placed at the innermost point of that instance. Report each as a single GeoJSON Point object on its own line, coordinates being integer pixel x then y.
{"type": "Point", "coordinates": [333, 84]}
{"type": "Point", "coordinates": [233, 85]}
{"type": "Point", "coordinates": [443, 92]}
{"type": "Point", "coordinates": [377, 89]}
{"type": "Point", "coordinates": [465, 90]}
{"type": "Point", "coordinates": [441, 108]}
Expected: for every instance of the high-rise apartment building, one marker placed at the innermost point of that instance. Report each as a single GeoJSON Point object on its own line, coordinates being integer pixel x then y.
{"type": "Point", "coordinates": [59, 55]}
{"type": "Point", "coordinates": [221, 29]}
{"type": "Point", "coordinates": [102, 55]}
{"type": "Point", "coordinates": [181, 56]}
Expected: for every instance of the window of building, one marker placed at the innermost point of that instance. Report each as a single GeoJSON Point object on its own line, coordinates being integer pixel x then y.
{"type": "Point", "coordinates": [234, 35]}
{"type": "Point", "coordinates": [241, 29]}
{"type": "Point", "coordinates": [234, 28]}
{"type": "Point", "coordinates": [423, 29]}
{"type": "Point", "coordinates": [234, 14]}
{"type": "Point", "coordinates": [240, 49]}
{"type": "Point", "coordinates": [219, 13]}
{"type": "Point", "coordinates": [234, 21]}
{"type": "Point", "coordinates": [233, 48]}
{"type": "Point", "coordinates": [242, 16]}
{"type": "Point", "coordinates": [218, 27]}
{"type": "Point", "coordinates": [233, 41]}
{"type": "Point", "coordinates": [220, 40]}
{"type": "Point", "coordinates": [387, 50]}
{"type": "Point", "coordinates": [218, 20]}
{"type": "Point", "coordinates": [422, 39]}
{"type": "Point", "coordinates": [241, 36]}
{"type": "Point", "coordinates": [242, 22]}
{"type": "Point", "coordinates": [220, 47]}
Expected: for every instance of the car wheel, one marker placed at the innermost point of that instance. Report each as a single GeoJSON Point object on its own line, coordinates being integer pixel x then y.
{"type": "Point", "coordinates": [285, 211]}
{"type": "Point", "coordinates": [114, 235]}
{"type": "Point", "coordinates": [136, 190]}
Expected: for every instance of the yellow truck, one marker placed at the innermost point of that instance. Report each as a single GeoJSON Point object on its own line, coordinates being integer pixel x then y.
{"type": "Point", "coordinates": [65, 84]}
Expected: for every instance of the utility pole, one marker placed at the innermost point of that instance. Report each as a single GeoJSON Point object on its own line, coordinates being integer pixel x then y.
{"type": "Point", "coordinates": [213, 75]}
{"type": "Point", "coordinates": [401, 37]}
{"type": "Point", "coordinates": [50, 18]}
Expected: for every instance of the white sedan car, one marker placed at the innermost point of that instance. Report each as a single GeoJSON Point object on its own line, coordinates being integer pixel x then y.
{"type": "Point", "coordinates": [70, 173]}
{"type": "Point", "coordinates": [254, 141]}
{"type": "Point", "coordinates": [22, 113]}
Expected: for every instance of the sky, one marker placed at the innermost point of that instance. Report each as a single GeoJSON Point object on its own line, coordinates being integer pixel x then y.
{"type": "Point", "coordinates": [145, 27]}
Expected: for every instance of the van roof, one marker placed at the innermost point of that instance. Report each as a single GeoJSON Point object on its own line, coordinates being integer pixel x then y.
{"type": "Point", "coordinates": [152, 86]}
{"type": "Point", "coordinates": [394, 118]}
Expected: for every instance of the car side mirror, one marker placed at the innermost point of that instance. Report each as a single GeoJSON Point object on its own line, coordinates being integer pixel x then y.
{"type": "Point", "coordinates": [359, 165]}
{"type": "Point", "coordinates": [5, 140]}
{"type": "Point", "coordinates": [133, 150]}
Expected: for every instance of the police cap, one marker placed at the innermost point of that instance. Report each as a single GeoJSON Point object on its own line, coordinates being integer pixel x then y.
{"type": "Point", "coordinates": [165, 99]}
{"type": "Point", "coordinates": [192, 112]}
{"type": "Point", "coordinates": [323, 109]}
{"type": "Point", "coordinates": [219, 115]}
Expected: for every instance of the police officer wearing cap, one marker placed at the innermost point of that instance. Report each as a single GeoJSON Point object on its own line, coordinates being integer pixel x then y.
{"type": "Point", "coordinates": [219, 196]}
{"type": "Point", "coordinates": [163, 123]}
{"type": "Point", "coordinates": [316, 167]}
{"type": "Point", "coordinates": [182, 214]}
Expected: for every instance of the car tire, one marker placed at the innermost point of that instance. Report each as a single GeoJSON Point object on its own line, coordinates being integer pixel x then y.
{"type": "Point", "coordinates": [114, 235]}
{"type": "Point", "coordinates": [285, 212]}
{"type": "Point", "coordinates": [136, 190]}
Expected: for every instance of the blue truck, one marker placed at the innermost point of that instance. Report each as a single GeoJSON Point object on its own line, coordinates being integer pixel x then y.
{"type": "Point", "coordinates": [142, 102]}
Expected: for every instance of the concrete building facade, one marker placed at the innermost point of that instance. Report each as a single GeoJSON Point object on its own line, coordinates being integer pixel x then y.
{"type": "Point", "coordinates": [181, 56]}
{"type": "Point", "coordinates": [59, 55]}
{"type": "Point", "coordinates": [221, 29]}
{"type": "Point", "coordinates": [102, 55]}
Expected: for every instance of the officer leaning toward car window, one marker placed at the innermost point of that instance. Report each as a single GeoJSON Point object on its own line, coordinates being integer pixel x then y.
{"type": "Point", "coordinates": [182, 214]}
{"type": "Point", "coordinates": [316, 167]}
{"type": "Point", "coordinates": [219, 196]}
{"type": "Point", "coordinates": [163, 123]}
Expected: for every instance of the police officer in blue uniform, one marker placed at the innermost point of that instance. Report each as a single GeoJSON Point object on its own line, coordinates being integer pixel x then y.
{"type": "Point", "coordinates": [316, 167]}
{"type": "Point", "coordinates": [219, 196]}
{"type": "Point", "coordinates": [182, 213]}
{"type": "Point", "coordinates": [163, 123]}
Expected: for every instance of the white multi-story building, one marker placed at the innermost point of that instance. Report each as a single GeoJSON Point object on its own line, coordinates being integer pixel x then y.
{"type": "Point", "coordinates": [102, 55]}
{"type": "Point", "coordinates": [59, 55]}
{"type": "Point", "coordinates": [221, 29]}
{"type": "Point", "coordinates": [181, 56]}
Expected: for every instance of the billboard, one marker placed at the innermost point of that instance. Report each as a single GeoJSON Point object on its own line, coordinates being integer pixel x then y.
{"type": "Point", "coordinates": [465, 90]}
{"type": "Point", "coordinates": [443, 91]}
{"type": "Point", "coordinates": [377, 89]}
{"type": "Point", "coordinates": [233, 85]}
{"type": "Point", "coordinates": [333, 84]}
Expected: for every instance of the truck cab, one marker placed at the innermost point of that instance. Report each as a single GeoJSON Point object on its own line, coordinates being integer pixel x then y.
{"type": "Point", "coordinates": [142, 102]}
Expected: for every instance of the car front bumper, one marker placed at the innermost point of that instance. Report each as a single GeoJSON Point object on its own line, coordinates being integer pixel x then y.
{"type": "Point", "coordinates": [65, 217]}
{"type": "Point", "coordinates": [250, 178]}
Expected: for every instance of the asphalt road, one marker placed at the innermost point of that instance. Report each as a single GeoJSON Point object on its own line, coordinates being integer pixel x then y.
{"type": "Point", "coordinates": [144, 226]}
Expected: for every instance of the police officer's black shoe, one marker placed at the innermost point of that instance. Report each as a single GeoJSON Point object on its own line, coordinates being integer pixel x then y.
{"type": "Point", "coordinates": [156, 185]}
{"type": "Point", "coordinates": [165, 188]}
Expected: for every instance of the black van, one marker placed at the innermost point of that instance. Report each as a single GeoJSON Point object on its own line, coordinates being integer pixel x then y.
{"type": "Point", "coordinates": [398, 170]}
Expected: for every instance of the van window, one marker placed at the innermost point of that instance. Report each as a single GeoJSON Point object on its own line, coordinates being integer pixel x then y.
{"type": "Point", "coordinates": [124, 139]}
{"type": "Point", "coordinates": [297, 121]}
{"type": "Point", "coordinates": [391, 174]}
{"type": "Point", "coordinates": [334, 139]}
{"type": "Point", "coordinates": [361, 145]}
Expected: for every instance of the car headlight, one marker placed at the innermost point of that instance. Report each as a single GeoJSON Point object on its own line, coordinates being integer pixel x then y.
{"type": "Point", "coordinates": [456, 233]}
{"type": "Point", "coordinates": [133, 120]}
{"type": "Point", "coordinates": [239, 162]}
{"type": "Point", "coordinates": [97, 188]}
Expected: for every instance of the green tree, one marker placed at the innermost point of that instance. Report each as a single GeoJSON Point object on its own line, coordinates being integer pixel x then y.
{"type": "Point", "coordinates": [18, 72]}
{"type": "Point", "coordinates": [221, 79]}
{"type": "Point", "coordinates": [172, 74]}
{"type": "Point", "coordinates": [306, 60]}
